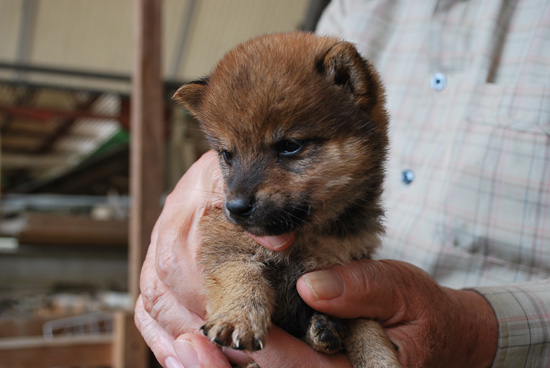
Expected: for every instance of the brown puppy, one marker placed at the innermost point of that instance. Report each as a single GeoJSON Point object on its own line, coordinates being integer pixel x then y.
{"type": "Point", "coordinates": [301, 130]}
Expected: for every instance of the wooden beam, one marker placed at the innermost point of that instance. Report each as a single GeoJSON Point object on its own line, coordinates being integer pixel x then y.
{"type": "Point", "coordinates": [146, 144]}
{"type": "Point", "coordinates": [146, 148]}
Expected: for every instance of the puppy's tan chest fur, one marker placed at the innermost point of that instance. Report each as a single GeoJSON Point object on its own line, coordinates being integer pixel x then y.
{"type": "Point", "coordinates": [280, 270]}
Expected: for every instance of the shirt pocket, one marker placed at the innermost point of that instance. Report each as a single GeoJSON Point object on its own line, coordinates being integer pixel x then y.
{"type": "Point", "coordinates": [498, 195]}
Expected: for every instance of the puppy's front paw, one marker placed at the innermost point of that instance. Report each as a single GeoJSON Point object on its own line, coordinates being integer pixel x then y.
{"type": "Point", "coordinates": [237, 331]}
{"type": "Point", "coordinates": [325, 334]}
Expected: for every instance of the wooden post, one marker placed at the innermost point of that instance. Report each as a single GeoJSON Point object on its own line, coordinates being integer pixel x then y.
{"type": "Point", "coordinates": [146, 153]}
{"type": "Point", "coordinates": [127, 342]}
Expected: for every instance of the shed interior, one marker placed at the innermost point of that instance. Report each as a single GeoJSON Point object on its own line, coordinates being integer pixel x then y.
{"type": "Point", "coordinates": [67, 88]}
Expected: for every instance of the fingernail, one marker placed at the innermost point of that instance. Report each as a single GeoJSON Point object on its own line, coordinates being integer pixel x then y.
{"type": "Point", "coordinates": [171, 362]}
{"type": "Point", "coordinates": [186, 353]}
{"type": "Point", "coordinates": [324, 285]}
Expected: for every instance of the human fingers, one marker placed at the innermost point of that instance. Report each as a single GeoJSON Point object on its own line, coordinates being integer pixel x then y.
{"type": "Point", "coordinates": [157, 338]}
{"type": "Point", "coordinates": [382, 290]}
{"type": "Point", "coordinates": [284, 350]}
{"type": "Point", "coordinates": [164, 317]}
{"type": "Point", "coordinates": [186, 351]}
{"type": "Point", "coordinates": [373, 289]}
{"type": "Point", "coordinates": [431, 325]}
{"type": "Point", "coordinates": [161, 304]}
{"type": "Point", "coordinates": [195, 350]}
{"type": "Point", "coordinates": [176, 237]}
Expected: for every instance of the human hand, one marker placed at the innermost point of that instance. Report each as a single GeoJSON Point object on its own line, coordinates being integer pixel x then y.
{"type": "Point", "coordinates": [424, 320]}
{"type": "Point", "coordinates": [172, 302]}
{"type": "Point", "coordinates": [431, 325]}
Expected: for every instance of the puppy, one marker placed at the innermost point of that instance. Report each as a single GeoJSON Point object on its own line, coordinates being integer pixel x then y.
{"type": "Point", "coordinates": [300, 128]}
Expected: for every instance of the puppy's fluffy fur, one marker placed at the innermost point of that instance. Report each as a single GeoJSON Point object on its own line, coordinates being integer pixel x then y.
{"type": "Point", "coordinates": [301, 130]}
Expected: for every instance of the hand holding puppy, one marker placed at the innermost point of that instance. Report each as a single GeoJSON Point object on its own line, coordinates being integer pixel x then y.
{"type": "Point", "coordinates": [430, 325]}
{"type": "Point", "coordinates": [171, 308]}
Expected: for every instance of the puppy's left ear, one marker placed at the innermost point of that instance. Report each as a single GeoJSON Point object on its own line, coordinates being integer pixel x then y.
{"type": "Point", "coordinates": [344, 67]}
{"type": "Point", "coordinates": [191, 95]}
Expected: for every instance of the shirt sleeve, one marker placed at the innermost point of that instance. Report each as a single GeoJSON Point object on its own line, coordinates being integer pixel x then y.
{"type": "Point", "coordinates": [523, 313]}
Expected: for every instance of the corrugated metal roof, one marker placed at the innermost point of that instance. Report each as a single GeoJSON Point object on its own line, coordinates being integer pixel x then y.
{"type": "Point", "coordinates": [97, 35]}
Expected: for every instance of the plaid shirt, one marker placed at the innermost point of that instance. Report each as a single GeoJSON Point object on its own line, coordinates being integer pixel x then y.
{"type": "Point", "coordinates": [468, 180]}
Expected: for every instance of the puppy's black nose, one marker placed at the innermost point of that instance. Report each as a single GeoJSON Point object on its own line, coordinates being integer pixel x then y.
{"type": "Point", "coordinates": [240, 206]}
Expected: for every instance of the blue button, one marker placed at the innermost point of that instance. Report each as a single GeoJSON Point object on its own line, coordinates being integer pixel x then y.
{"type": "Point", "coordinates": [407, 176]}
{"type": "Point", "coordinates": [438, 81]}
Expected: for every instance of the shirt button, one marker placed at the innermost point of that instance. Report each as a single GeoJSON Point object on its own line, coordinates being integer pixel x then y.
{"type": "Point", "coordinates": [407, 176]}
{"type": "Point", "coordinates": [438, 81]}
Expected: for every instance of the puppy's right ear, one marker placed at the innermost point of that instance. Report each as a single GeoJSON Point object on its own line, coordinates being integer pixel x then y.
{"type": "Point", "coordinates": [345, 67]}
{"type": "Point", "coordinates": [192, 94]}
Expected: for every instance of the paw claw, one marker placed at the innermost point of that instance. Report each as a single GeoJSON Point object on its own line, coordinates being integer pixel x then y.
{"type": "Point", "coordinates": [237, 345]}
{"type": "Point", "coordinates": [235, 332]}
{"type": "Point", "coordinates": [258, 345]}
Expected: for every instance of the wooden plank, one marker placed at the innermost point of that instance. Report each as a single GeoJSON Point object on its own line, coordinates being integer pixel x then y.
{"type": "Point", "coordinates": [71, 351]}
{"type": "Point", "coordinates": [30, 326]}
{"type": "Point", "coordinates": [46, 229]}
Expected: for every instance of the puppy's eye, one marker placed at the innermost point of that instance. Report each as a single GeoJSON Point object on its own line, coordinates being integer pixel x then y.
{"type": "Point", "coordinates": [289, 147]}
{"type": "Point", "coordinates": [227, 156]}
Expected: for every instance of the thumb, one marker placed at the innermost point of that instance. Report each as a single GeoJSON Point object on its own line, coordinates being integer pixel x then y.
{"type": "Point", "coordinates": [195, 350]}
{"type": "Point", "coordinates": [364, 288]}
